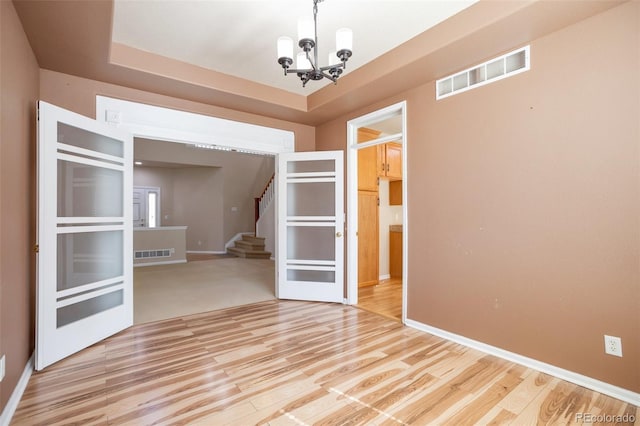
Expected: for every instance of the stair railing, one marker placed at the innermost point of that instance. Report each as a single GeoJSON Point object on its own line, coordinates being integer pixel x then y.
{"type": "Point", "coordinates": [263, 201]}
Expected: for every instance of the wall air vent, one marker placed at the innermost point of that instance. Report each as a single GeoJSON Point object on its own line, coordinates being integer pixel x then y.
{"type": "Point", "coordinates": [146, 254]}
{"type": "Point", "coordinates": [493, 70]}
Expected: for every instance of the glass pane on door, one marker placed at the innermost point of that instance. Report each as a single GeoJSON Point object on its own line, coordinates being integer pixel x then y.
{"type": "Point", "coordinates": [311, 199]}
{"type": "Point", "coordinates": [89, 191]}
{"type": "Point", "coordinates": [70, 135]}
{"type": "Point", "coordinates": [77, 311]}
{"type": "Point", "coordinates": [88, 257]}
{"type": "Point", "coordinates": [311, 166]}
{"type": "Point", "coordinates": [311, 276]}
{"type": "Point", "coordinates": [311, 242]}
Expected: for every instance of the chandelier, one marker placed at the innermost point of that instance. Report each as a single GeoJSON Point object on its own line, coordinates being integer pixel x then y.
{"type": "Point", "coordinates": [307, 66]}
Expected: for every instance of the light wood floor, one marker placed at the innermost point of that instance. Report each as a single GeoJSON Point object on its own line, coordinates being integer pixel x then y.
{"type": "Point", "coordinates": [296, 363]}
{"type": "Point", "coordinates": [383, 299]}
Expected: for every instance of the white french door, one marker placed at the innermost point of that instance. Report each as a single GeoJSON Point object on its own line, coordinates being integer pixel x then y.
{"type": "Point", "coordinates": [311, 226]}
{"type": "Point", "coordinates": [84, 265]}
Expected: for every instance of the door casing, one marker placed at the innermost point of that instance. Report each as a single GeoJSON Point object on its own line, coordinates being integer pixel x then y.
{"type": "Point", "coordinates": [352, 194]}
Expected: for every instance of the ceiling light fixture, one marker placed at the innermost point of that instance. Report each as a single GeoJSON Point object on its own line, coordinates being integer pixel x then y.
{"type": "Point", "coordinates": [307, 64]}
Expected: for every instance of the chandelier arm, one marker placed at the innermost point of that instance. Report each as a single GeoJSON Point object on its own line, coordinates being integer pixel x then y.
{"type": "Point", "coordinates": [330, 67]}
{"type": "Point", "coordinates": [335, 80]}
{"type": "Point", "coordinates": [296, 71]}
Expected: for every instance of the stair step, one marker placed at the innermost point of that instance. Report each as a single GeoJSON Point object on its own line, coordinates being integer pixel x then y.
{"type": "Point", "coordinates": [252, 239]}
{"type": "Point", "coordinates": [249, 245]}
{"type": "Point", "coordinates": [249, 254]}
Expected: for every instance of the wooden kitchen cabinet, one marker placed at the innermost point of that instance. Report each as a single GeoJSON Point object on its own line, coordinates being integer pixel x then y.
{"type": "Point", "coordinates": [367, 161]}
{"type": "Point", "coordinates": [390, 160]}
{"type": "Point", "coordinates": [368, 239]}
{"type": "Point", "coordinates": [395, 251]}
{"type": "Point", "coordinates": [395, 193]}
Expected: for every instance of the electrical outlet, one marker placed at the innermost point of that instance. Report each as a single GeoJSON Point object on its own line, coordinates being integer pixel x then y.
{"type": "Point", "coordinates": [2, 368]}
{"type": "Point", "coordinates": [613, 345]}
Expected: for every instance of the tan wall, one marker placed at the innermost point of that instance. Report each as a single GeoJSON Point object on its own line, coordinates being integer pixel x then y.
{"type": "Point", "coordinates": [161, 238]}
{"type": "Point", "coordinates": [79, 95]}
{"type": "Point", "coordinates": [523, 202]}
{"type": "Point", "coordinates": [197, 203]}
{"type": "Point", "coordinates": [189, 196]}
{"type": "Point", "coordinates": [19, 87]}
{"type": "Point", "coordinates": [242, 178]}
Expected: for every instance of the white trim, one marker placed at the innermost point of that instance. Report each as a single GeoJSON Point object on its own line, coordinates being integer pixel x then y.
{"type": "Point", "coordinates": [205, 252]}
{"type": "Point", "coordinates": [90, 162]}
{"type": "Point", "coordinates": [160, 228]}
{"type": "Point", "coordinates": [89, 153]}
{"type": "Point", "coordinates": [384, 277]}
{"type": "Point", "coordinates": [166, 262]}
{"type": "Point", "coordinates": [89, 220]}
{"type": "Point", "coordinates": [570, 376]}
{"type": "Point", "coordinates": [89, 287]}
{"type": "Point", "coordinates": [95, 228]}
{"type": "Point", "coordinates": [158, 123]}
{"type": "Point", "coordinates": [16, 395]}
{"type": "Point", "coordinates": [396, 137]}
{"type": "Point", "coordinates": [86, 296]}
{"type": "Point", "coordinates": [352, 194]}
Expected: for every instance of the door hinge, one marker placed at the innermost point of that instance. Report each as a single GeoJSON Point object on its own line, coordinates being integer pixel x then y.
{"type": "Point", "coordinates": [378, 200]}
{"type": "Point", "coordinates": [36, 248]}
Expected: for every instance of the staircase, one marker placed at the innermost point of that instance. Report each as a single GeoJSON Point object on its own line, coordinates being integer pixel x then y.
{"type": "Point", "coordinates": [250, 247]}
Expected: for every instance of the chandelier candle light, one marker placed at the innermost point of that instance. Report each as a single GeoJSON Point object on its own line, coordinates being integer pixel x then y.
{"type": "Point", "coordinates": [307, 64]}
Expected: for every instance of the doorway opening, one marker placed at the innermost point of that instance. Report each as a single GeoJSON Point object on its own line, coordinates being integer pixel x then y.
{"type": "Point", "coordinates": [197, 136]}
{"type": "Point", "coordinates": [207, 211]}
{"type": "Point", "coordinates": [377, 211]}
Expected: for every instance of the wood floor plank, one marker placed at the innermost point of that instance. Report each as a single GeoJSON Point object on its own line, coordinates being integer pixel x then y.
{"type": "Point", "coordinates": [296, 363]}
{"type": "Point", "coordinates": [384, 298]}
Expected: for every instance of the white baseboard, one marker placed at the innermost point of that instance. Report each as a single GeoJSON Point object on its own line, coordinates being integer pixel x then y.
{"type": "Point", "coordinates": [384, 277]}
{"type": "Point", "coordinates": [205, 252]}
{"type": "Point", "coordinates": [166, 262]}
{"type": "Point", "coordinates": [16, 395]}
{"type": "Point", "coordinates": [570, 376]}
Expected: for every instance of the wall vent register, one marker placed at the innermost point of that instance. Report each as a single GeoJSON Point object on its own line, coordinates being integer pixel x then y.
{"type": "Point", "coordinates": [146, 254]}
{"type": "Point", "coordinates": [493, 70]}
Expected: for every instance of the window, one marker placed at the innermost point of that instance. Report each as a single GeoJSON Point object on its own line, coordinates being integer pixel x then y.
{"type": "Point", "coordinates": [152, 207]}
{"type": "Point", "coordinates": [495, 69]}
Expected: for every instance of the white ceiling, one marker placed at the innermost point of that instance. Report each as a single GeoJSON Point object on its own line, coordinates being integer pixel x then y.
{"type": "Point", "coordinates": [238, 37]}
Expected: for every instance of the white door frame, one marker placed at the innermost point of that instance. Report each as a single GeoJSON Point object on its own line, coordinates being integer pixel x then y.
{"type": "Point", "coordinates": [170, 125]}
{"type": "Point", "coordinates": [352, 194]}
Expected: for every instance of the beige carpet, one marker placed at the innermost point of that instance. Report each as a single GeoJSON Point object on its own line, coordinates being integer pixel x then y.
{"type": "Point", "coordinates": [168, 291]}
